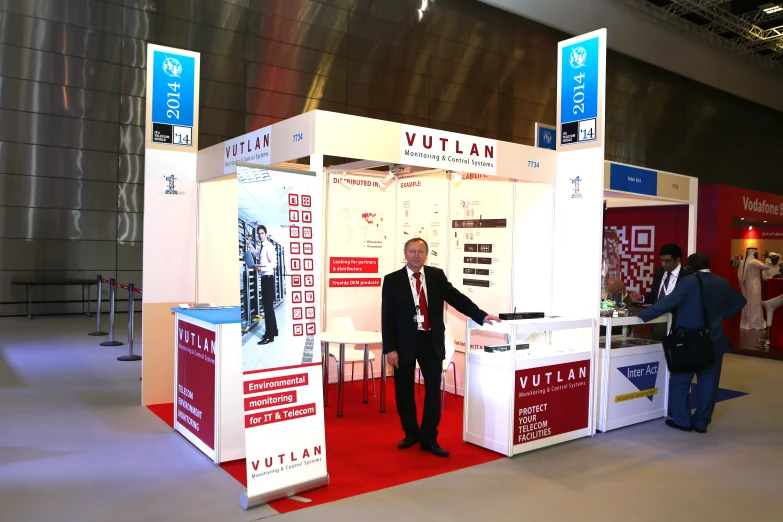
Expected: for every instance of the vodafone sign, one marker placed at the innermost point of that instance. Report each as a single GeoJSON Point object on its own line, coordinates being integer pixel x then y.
{"type": "Point", "coordinates": [762, 206]}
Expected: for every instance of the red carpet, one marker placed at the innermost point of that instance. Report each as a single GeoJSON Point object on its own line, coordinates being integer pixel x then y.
{"type": "Point", "coordinates": [361, 448]}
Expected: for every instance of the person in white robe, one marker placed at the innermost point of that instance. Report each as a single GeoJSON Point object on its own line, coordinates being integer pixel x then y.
{"type": "Point", "coordinates": [750, 284]}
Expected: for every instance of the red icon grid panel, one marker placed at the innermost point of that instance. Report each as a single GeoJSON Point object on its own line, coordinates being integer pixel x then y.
{"type": "Point", "coordinates": [296, 313]}
{"type": "Point", "coordinates": [296, 263]}
{"type": "Point", "coordinates": [296, 280]}
{"type": "Point", "coordinates": [307, 249]}
{"type": "Point", "coordinates": [306, 201]}
{"type": "Point", "coordinates": [310, 312]}
{"type": "Point", "coordinates": [307, 216]}
{"type": "Point", "coordinates": [296, 297]}
{"type": "Point", "coordinates": [307, 232]}
{"type": "Point", "coordinates": [309, 296]}
{"type": "Point", "coordinates": [294, 231]}
{"type": "Point", "coordinates": [293, 200]}
{"type": "Point", "coordinates": [308, 264]}
{"type": "Point", "coordinates": [296, 248]}
{"type": "Point", "coordinates": [298, 330]}
{"type": "Point", "coordinates": [293, 215]}
{"type": "Point", "coordinates": [310, 328]}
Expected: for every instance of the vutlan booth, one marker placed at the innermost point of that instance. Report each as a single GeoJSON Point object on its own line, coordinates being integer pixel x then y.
{"type": "Point", "coordinates": [273, 260]}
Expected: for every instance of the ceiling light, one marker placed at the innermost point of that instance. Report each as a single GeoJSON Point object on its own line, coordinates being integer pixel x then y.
{"type": "Point", "coordinates": [456, 177]}
{"type": "Point", "coordinates": [771, 8]}
{"type": "Point", "coordinates": [253, 175]}
{"type": "Point", "coordinates": [765, 221]}
{"type": "Point", "coordinates": [742, 219]}
{"type": "Point", "coordinates": [750, 227]}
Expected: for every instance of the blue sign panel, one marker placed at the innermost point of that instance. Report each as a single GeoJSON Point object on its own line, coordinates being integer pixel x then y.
{"type": "Point", "coordinates": [173, 95]}
{"type": "Point", "coordinates": [546, 138]}
{"type": "Point", "coordinates": [579, 91]}
{"type": "Point", "coordinates": [633, 179]}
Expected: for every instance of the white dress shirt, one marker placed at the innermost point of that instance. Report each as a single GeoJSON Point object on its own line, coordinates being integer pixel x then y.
{"type": "Point", "coordinates": [672, 281]}
{"type": "Point", "coordinates": [268, 257]}
{"type": "Point", "coordinates": [413, 290]}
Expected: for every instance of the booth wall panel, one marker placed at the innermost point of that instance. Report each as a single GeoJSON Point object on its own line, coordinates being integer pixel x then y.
{"type": "Point", "coordinates": [285, 106]}
{"type": "Point", "coordinates": [62, 193]}
{"type": "Point", "coordinates": [260, 50]}
{"type": "Point", "coordinates": [130, 226]}
{"type": "Point", "coordinates": [391, 55]}
{"type": "Point", "coordinates": [387, 100]}
{"type": "Point", "coordinates": [318, 14]}
{"type": "Point", "coordinates": [52, 223]}
{"type": "Point", "coordinates": [84, 13]}
{"type": "Point", "coordinates": [131, 168]}
{"type": "Point", "coordinates": [54, 37]}
{"type": "Point", "coordinates": [462, 74]}
{"type": "Point", "coordinates": [411, 38]}
{"type": "Point", "coordinates": [444, 112]}
{"type": "Point", "coordinates": [44, 98]}
{"type": "Point", "coordinates": [179, 33]}
{"type": "Point", "coordinates": [129, 257]}
{"type": "Point", "coordinates": [211, 139]}
{"type": "Point", "coordinates": [43, 129]}
{"type": "Point", "coordinates": [206, 12]}
{"type": "Point", "coordinates": [58, 69]}
{"type": "Point", "coordinates": [43, 161]}
{"type": "Point", "coordinates": [388, 116]}
{"type": "Point", "coordinates": [222, 123]}
{"type": "Point", "coordinates": [461, 95]}
{"type": "Point", "coordinates": [133, 81]}
{"type": "Point", "coordinates": [400, 12]}
{"type": "Point", "coordinates": [131, 139]}
{"type": "Point", "coordinates": [27, 254]}
{"type": "Point", "coordinates": [288, 81]}
{"type": "Point", "coordinates": [222, 96]}
{"type": "Point", "coordinates": [377, 75]}
{"type": "Point", "coordinates": [469, 23]}
{"type": "Point", "coordinates": [130, 197]}
{"type": "Point", "coordinates": [296, 33]}
{"type": "Point", "coordinates": [133, 110]}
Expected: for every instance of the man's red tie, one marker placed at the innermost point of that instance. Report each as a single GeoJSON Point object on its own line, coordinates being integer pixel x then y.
{"type": "Point", "coordinates": [422, 302]}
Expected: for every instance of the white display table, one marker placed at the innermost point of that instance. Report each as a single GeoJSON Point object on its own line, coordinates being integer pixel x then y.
{"type": "Point", "coordinates": [633, 375]}
{"type": "Point", "coordinates": [521, 400]}
{"type": "Point", "coordinates": [208, 381]}
{"type": "Point", "coordinates": [349, 337]}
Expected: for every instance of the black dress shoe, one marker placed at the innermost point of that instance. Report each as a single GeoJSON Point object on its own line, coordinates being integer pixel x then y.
{"type": "Point", "coordinates": [265, 341]}
{"type": "Point", "coordinates": [697, 430]}
{"type": "Point", "coordinates": [408, 441]}
{"type": "Point", "coordinates": [434, 449]}
{"type": "Point", "coordinates": [670, 423]}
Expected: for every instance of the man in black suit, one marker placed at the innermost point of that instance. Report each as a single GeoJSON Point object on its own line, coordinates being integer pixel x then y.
{"type": "Point", "coordinates": [721, 302]}
{"type": "Point", "coordinates": [666, 276]}
{"type": "Point", "coordinates": [413, 330]}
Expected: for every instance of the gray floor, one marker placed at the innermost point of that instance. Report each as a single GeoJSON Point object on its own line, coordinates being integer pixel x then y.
{"type": "Point", "coordinates": [75, 446]}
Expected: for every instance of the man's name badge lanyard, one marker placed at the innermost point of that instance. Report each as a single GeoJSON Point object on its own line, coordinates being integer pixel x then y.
{"type": "Point", "coordinates": [417, 318]}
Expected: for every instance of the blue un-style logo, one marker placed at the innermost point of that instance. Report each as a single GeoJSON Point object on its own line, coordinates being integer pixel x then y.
{"type": "Point", "coordinates": [578, 57]}
{"type": "Point", "coordinates": [172, 67]}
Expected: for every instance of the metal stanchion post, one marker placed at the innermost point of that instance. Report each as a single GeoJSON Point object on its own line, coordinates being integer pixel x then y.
{"type": "Point", "coordinates": [98, 330]}
{"type": "Point", "coordinates": [130, 356]}
{"type": "Point", "coordinates": [112, 292]}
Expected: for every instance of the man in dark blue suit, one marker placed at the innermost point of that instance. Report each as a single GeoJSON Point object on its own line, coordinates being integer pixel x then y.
{"type": "Point", "coordinates": [722, 302]}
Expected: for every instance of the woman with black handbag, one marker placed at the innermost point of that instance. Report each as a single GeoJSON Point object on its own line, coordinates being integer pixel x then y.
{"type": "Point", "coordinates": [696, 344]}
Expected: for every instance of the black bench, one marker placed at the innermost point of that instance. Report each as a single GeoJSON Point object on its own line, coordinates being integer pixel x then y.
{"type": "Point", "coordinates": [85, 283]}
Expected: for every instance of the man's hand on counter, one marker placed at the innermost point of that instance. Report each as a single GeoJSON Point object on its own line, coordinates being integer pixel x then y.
{"type": "Point", "coordinates": [491, 319]}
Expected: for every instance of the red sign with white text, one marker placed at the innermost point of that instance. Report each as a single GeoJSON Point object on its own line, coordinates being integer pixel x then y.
{"type": "Point", "coordinates": [354, 282]}
{"type": "Point", "coordinates": [260, 402]}
{"type": "Point", "coordinates": [359, 265]}
{"type": "Point", "coordinates": [196, 381]}
{"type": "Point", "coordinates": [551, 400]}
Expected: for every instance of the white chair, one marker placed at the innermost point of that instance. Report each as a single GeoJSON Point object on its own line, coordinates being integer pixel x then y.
{"type": "Point", "coordinates": [447, 362]}
{"type": "Point", "coordinates": [770, 306]}
{"type": "Point", "coordinates": [352, 354]}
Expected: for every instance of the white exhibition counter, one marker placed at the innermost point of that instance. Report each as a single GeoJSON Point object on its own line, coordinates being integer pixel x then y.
{"type": "Point", "coordinates": [634, 379]}
{"type": "Point", "coordinates": [208, 381]}
{"type": "Point", "coordinates": [532, 397]}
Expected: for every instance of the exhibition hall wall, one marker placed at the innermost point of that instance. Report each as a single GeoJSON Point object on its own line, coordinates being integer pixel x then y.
{"type": "Point", "coordinates": [72, 200]}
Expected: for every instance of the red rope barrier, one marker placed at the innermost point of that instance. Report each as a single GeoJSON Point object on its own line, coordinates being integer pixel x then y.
{"type": "Point", "coordinates": [124, 287]}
